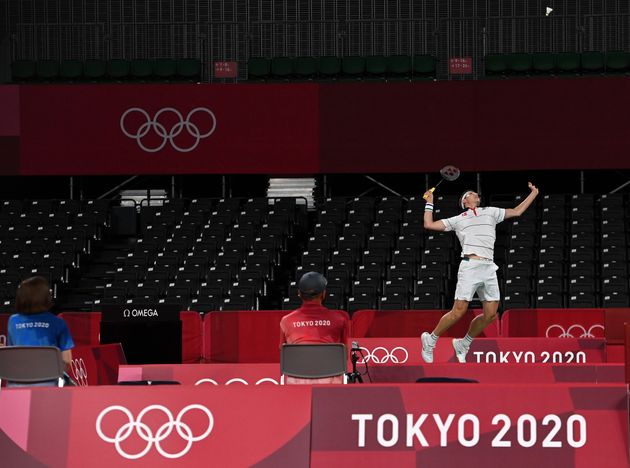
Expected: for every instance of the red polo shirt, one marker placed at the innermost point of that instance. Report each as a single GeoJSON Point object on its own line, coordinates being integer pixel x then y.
{"type": "Point", "coordinates": [314, 323]}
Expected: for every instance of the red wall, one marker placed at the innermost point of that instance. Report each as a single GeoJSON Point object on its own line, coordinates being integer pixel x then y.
{"type": "Point", "coordinates": [321, 128]}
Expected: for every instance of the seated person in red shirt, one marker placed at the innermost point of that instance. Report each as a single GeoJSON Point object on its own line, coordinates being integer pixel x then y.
{"type": "Point", "coordinates": [314, 323]}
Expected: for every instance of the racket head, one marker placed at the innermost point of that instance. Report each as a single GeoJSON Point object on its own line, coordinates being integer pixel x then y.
{"type": "Point", "coordinates": [450, 173]}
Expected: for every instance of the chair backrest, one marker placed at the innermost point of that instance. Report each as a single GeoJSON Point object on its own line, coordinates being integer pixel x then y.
{"type": "Point", "coordinates": [31, 364]}
{"type": "Point", "coordinates": [313, 361]}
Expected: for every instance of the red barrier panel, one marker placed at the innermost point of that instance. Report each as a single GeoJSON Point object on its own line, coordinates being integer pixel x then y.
{"type": "Point", "coordinates": [192, 337]}
{"type": "Point", "coordinates": [4, 320]}
{"type": "Point", "coordinates": [456, 425]}
{"type": "Point", "coordinates": [505, 373]}
{"type": "Point", "coordinates": [156, 426]}
{"type": "Point", "coordinates": [85, 330]}
{"type": "Point", "coordinates": [205, 374]}
{"type": "Point", "coordinates": [615, 320]}
{"type": "Point", "coordinates": [553, 323]}
{"type": "Point", "coordinates": [395, 351]}
{"type": "Point", "coordinates": [84, 327]}
{"type": "Point", "coordinates": [574, 425]}
{"type": "Point", "coordinates": [96, 365]}
{"type": "Point", "coordinates": [269, 374]}
{"type": "Point", "coordinates": [407, 323]}
{"type": "Point", "coordinates": [242, 336]}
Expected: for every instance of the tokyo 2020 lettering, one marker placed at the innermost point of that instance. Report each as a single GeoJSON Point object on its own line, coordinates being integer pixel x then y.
{"type": "Point", "coordinates": [550, 431]}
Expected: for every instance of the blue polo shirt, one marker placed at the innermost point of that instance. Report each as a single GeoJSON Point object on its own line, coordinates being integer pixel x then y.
{"type": "Point", "coordinates": [43, 329]}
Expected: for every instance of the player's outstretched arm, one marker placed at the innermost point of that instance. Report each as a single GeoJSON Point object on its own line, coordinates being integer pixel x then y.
{"type": "Point", "coordinates": [429, 224]}
{"type": "Point", "coordinates": [520, 209]}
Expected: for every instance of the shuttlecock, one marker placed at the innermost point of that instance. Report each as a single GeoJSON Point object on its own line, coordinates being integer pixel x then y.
{"type": "Point", "coordinates": [548, 11]}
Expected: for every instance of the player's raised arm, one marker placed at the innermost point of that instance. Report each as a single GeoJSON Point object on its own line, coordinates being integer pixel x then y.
{"type": "Point", "coordinates": [428, 214]}
{"type": "Point", "coordinates": [520, 209]}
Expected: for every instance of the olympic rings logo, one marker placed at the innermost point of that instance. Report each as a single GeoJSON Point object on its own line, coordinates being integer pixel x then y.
{"type": "Point", "coordinates": [568, 333]}
{"type": "Point", "coordinates": [242, 381]}
{"type": "Point", "coordinates": [160, 129]}
{"type": "Point", "coordinates": [124, 432]}
{"type": "Point", "coordinates": [77, 366]}
{"type": "Point", "coordinates": [381, 355]}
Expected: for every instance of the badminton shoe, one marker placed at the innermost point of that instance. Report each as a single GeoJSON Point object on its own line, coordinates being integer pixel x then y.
{"type": "Point", "coordinates": [460, 349]}
{"type": "Point", "coordinates": [427, 347]}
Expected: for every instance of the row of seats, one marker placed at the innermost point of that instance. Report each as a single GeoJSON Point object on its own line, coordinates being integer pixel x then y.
{"type": "Point", "coordinates": [565, 251]}
{"type": "Point", "coordinates": [379, 67]}
{"type": "Point", "coordinates": [27, 71]}
{"type": "Point", "coordinates": [209, 255]}
{"type": "Point", "coordinates": [568, 63]}
{"type": "Point", "coordinates": [232, 253]}
{"type": "Point", "coordinates": [46, 237]}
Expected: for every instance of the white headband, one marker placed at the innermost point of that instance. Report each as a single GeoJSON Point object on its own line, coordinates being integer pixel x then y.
{"type": "Point", "coordinates": [461, 202]}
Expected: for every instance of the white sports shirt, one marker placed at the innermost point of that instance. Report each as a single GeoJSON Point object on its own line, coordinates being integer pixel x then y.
{"type": "Point", "coordinates": [476, 230]}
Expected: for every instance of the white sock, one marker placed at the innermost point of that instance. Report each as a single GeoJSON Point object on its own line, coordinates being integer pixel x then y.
{"type": "Point", "coordinates": [433, 339]}
{"type": "Point", "coordinates": [467, 340]}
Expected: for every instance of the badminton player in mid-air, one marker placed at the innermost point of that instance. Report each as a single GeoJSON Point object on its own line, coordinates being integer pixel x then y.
{"type": "Point", "coordinates": [476, 230]}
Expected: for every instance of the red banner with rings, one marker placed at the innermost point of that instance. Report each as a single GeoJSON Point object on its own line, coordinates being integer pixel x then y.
{"type": "Point", "coordinates": [557, 425]}
{"type": "Point", "coordinates": [554, 323]}
{"type": "Point", "coordinates": [155, 426]}
{"type": "Point", "coordinates": [312, 128]}
{"type": "Point", "coordinates": [168, 129]}
{"type": "Point", "coordinates": [205, 374]}
{"type": "Point", "coordinates": [406, 351]}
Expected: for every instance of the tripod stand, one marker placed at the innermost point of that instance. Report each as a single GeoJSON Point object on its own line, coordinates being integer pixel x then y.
{"type": "Point", "coordinates": [354, 376]}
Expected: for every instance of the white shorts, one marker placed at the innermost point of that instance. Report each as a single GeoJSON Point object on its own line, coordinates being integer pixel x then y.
{"type": "Point", "coordinates": [477, 276]}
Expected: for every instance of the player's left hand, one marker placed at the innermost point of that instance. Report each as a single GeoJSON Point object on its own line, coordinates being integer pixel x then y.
{"type": "Point", "coordinates": [533, 188]}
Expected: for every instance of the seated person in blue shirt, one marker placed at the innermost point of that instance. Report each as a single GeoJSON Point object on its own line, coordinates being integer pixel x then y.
{"type": "Point", "coordinates": [34, 324]}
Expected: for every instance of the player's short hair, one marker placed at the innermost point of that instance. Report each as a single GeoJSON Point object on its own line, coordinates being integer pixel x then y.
{"type": "Point", "coordinates": [33, 296]}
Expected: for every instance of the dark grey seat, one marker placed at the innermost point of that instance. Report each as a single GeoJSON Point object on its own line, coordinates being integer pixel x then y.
{"type": "Point", "coordinates": [31, 364]}
{"type": "Point", "coordinates": [313, 361]}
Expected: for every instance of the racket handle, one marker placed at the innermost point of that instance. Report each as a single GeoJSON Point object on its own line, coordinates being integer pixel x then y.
{"type": "Point", "coordinates": [432, 189]}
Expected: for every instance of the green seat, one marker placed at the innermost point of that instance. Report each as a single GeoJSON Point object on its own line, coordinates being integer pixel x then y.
{"type": "Point", "coordinates": [329, 67]}
{"type": "Point", "coordinates": [592, 62]}
{"type": "Point", "coordinates": [519, 64]}
{"type": "Point", "coordinates": [258, 68]}
{"type": "Point", "coordinates": [165, 69]}
{"type": "Point", "coordinates": [353, 66]}
{"type": "Point", "coordinates": [617, 61]}
{"type": "Point", "coordinates": [71, 70]}
{"type": "Point", "coordinates": [281, 67]}
{"type": "Point", "coordinates": [189, 69]}
{"type": "Point", "coordinates": [305, 67]}
{"type": "Point", "coordinates": [376, 66]}
{"type": "Point", "coordinates": [118, 69]}
{"type": "Point", "coordinates": [94, 69]}
{"type": "Point", "coordinates": [141, 70]}
{"type": "Point", "coordinates": [543, 63]}
{"type": "Point", "coordinates": [22, 70]}
{"type": "Point", "coordinates": [568, 63]}
{"type": "Point", "coordinates": [47, 69]}
{"type": "Point", "coordinates": [398, 66]}
{"type": "Point", "coordinates": [423, 67]}
{"type": "Point", "coordinates": [496, 65]}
